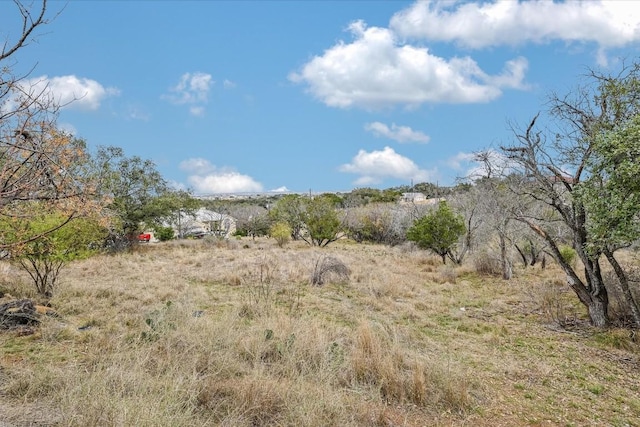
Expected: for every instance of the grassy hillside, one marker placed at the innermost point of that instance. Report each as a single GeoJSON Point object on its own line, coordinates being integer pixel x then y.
{"type": "Point", "coordinates": [201, 333]}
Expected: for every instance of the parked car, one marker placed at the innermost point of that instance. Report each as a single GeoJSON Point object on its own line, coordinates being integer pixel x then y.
{"type": "Point", "coordinates": [197, 234]}
{"type": "Point", "coordinates": [144, 237]}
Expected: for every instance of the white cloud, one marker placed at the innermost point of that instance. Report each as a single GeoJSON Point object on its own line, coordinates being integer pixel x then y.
{"type": "Point", "coordinates": [376, 71]}
{"type": "Point", "coordinates": [70, 91]}
{"type": "Point", "coordinates": [466, 167]}
{"type": "Point", "coordinates": [197, 166]}
{"type": "Point", "coordinates": [282, 189]}
{"type": "Point", "coordinates": [228, 84]}
{"type": "Point", "coordinates": [197, 111]}
{"type": "Point", "coordinates": [460, 161]}
{"type": "Point", "coordinates": [396, 133]}
{"type": "Point", "coordinates": [137, 113]}
{"type": "Point", "coordinates": [373, 167]}
{"type": "Point", "coordinates": [206, 178]}
{"type": "Point", "coordinates": [482, 24]}
{"type": "Point", "coordinates": [193, 90]}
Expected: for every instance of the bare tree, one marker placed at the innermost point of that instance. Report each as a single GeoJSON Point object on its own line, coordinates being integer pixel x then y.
{"type": "Point", "coordinates": [384, 223]}
{"type": "Point", "coordinates": [41, 168]}
{"type": "Point", "coordinates": [553, 164]}
{"type": "Point", "coordinates": [494, 199]}
{"type": "Point", "coordinates": [21, 104]}
{"type": "Point", "coordinates": [469, 204]}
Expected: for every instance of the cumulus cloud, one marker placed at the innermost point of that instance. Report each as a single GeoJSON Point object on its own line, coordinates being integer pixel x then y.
{"type": "Point", "coordinates": [482, 24]}
{"type": "Point", "coordinates": [373, 167]}
{"type": "Point", "coordinates": [134, 112]}
{"type": "Point", "coordinates": [282, 189]}
{"type": "Point", "coordinates": [460, 161]}
{"type": "Point", "coordinates": [397, 133]}
{"type": "Point", "coordinates": [375, 71]}
{"type": "Point", "coordinates": [206, 178]}
{"type": "Point", "coordinates": [192, 90]}
{"type": "Point", "coordinates": [70, 91]}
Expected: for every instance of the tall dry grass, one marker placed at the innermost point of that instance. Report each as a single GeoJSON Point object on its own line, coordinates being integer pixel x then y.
{"type": "Point", "coordinates": [199, 333]}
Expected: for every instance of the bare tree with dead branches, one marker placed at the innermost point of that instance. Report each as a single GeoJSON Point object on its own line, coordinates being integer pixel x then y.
{"type": "Point", "coordinates": [42, 169]}
{"type": "Point", "coordinates": [551, 162]}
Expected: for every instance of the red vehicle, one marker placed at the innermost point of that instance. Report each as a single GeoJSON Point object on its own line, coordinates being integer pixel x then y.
{"type": "Point", "coordinates": [144, 237]}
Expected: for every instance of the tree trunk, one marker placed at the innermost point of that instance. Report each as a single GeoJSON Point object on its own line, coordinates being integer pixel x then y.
{"type": "Point", "coordinates": [525, 262]}
{"type": "Point", "coordinates": [594, 297]}
{"type": "Point", "coordinates": [593, 294]}
{"type": "Point", "coordinates": [535, 253]}
{"type": "Point", "coordinates": [598, 311]}
{"type": "Point", "coordinates": [506, 265]}
{"type": "Point", "coordinates": [624, 286]}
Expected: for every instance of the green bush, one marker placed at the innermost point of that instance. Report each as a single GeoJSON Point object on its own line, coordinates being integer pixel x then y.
{"type": "Point", "coordinates": [281, 231]}
{"type": "Point", "coordinates": [44, 253]}
{"type": "Point", "coordinates": [165, 233]}
{"type": "Point", "coordinates": [438, 231]}
{"type": "Point", "coordinates": [241, 232]}
{"type": "Point", "coordinates": [568, 254]}
{"type": "Point", "coordinates": [322, 221]}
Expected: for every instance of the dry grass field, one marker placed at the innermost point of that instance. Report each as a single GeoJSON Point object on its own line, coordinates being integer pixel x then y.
{"type": "Point", "coordinates": [206, 333]}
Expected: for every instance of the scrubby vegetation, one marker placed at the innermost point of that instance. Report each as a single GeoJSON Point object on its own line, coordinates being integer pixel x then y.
{"type": "Point", "coordinates": [337, 318]}
{"type": "Point", "coordinates": [189, 333]}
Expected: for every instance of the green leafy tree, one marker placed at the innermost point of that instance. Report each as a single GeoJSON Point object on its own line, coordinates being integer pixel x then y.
{"type": "Point", "coordinates": [290, 209]}
{"type": "Point", "coordinates": [170, 210]}
{"type": "Point", "coordinates": [47, 253]}
{"type": "Point", "coordinates": [438, 231]}
{"type": "Point", "coordinates": [322, 222]}
{"type": "Point", "coordinates": [612, 191]}
{"type": "Point", "coordinates": [138, 192]}
{"type": "Point", "coordinates": [364, 196]}
{"type": "Point", "coordinates": [611, 195]}
{"type": "Point", "coordinates": [333, 198]}
{"type": "Point", "coordinates": [428, 189]}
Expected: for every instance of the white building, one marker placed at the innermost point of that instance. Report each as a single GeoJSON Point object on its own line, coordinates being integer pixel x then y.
{"type": "Point", "coordinates": [413, 198]}
{"type": "Point", "coordinates": [204, 222]}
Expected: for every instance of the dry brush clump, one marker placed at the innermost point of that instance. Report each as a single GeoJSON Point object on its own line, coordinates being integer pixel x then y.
{"type": "Point", "coordinates": [329, 268]}
{"type": "Point", "coordinates": [553, 300]}
{"type": "Point", "coordinates": [381, 361]}
{"type": "Point", "coordinates": [487, 264]}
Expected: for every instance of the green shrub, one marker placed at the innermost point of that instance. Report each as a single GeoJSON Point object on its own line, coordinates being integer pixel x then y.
{"type": "Point", "coordinates": [568, 254]}
{"type": "Point", "coordinates": [281, 231]}
{"type": "Point", "coordinates": [438, 231]}
{"type": "Point", "coordinates": [241, 232]}
{"type": "Point", "coordinates": [164, 233]}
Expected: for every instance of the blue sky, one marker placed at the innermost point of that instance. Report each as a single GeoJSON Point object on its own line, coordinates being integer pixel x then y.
{"type": "Point", "coordinates": [248, 96]}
